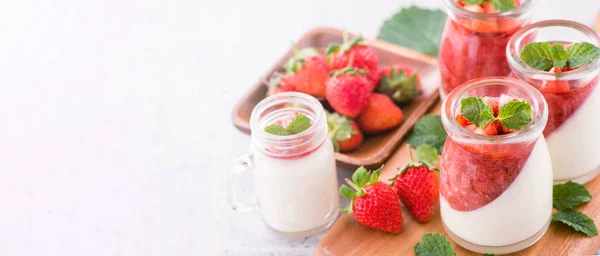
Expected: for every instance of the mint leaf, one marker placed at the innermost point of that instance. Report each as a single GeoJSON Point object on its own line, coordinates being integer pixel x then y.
{"type": "Point", "coordinates": [428, 154]}
{"type": "Point", "coordinates": [581, 53]}
{"type": "Point", "coordinates": [434, 244]}
{"type": "Point", "coordinates": [428, 130]}
{"type": "Point", "coordinates": [299, 124]}
{"type": "Point", "coordinates": [569, 195]}
{"type": "Point", "coordinates": [543, 56]}
{"type": "Point", "coordinates": [503, 5]}
{"type": "Point", "coordinates": [276, 129]}
{"type": "Point", "coordinates": [515, 115]}
{"type": "Point", "coordinates": [415, 28]}
{"type": "Point", "coordinates": [476, 111]}
{"type": "Point", "coordinates": [577, 220]}
{"type": "Point", "coordinates": [473, 1]}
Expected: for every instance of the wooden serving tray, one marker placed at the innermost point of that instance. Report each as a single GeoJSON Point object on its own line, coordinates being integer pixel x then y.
{"type": "Point", "coordinates": [375, 149]}
{"type": "Point", "coordinates": [347, 237]}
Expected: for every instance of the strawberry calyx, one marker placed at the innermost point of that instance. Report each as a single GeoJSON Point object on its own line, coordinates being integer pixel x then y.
{"type": "Point", "coordinates": [339, 128]}
{"type": "Point", "coordinates": [360, 179]}
{"type": "Point", "coordinates": [413, 165]}
{"type": "Point", "coordinates": [401, 88]}
{"type": "Point", "coordinates": [297, 60]}
{"type": "Point", "coordinates": [344, 47]}
{"type": "Point", "coordinates": [348, 71]}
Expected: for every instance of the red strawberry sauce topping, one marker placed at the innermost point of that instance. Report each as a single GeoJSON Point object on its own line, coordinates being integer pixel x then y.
{"type": "Point", "coordinates": [474, 175]}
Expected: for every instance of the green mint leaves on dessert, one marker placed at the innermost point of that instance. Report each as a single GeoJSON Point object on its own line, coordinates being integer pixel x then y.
{"type": "Point", "coordinates": [515, 115]}
{"type": "Point", "coordinates": [298, 124]}
{"type": "Point", "coordinates": [581, 53]}
{"type": "Point", "coordinates": [476, 111]}
{"type": "Point", "coordinates": [499, 5]}
{"type": "Point", "coordinates": [428, 130]}
{"type": "Point", "coordinates": [434, 244]}
{"type": "Point", "coordinates": [415, 28]}
{"type": "Point", "coordinates": [427, 154]}
{"type": "Point", "coordinates": [576, 220]}
{"type": "Point", "coordinates": [544, 56]}
{"type": "Point", "coordinates": [569, 195]}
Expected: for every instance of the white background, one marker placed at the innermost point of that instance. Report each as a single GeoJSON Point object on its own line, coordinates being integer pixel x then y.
{"type": "Point", "coordinates": [115, 132]}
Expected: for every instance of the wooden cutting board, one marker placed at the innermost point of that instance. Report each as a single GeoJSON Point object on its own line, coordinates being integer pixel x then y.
{"type": "Point", "coordinates": [347, 237]}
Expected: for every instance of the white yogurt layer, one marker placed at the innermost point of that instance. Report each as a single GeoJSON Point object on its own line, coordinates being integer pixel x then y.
{"type": "Point", "coordinates": [297, 195]}
{"type": "Point", "coordinates": [575, 145]}
{"type": "Point", "coordinates": [520, 212]}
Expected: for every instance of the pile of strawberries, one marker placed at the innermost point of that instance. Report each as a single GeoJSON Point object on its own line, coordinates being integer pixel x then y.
{"type": "Point", "coordinates": [345, 77]}
{"type": "Point", "coordinates": [376, 204]}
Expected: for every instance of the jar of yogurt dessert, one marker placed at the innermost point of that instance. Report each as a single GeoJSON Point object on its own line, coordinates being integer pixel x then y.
{"type": "Point", "coordinates": [573, 99]}
{"type": "Point", "coordinates": [495, 186]}
{"type": "Point", "coordinates": [474, 41]}
{"type": "Point", "coordinates": [295, 175]}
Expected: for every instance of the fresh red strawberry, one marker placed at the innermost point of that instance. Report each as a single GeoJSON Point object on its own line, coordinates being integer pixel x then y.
{"type": "Point", "coordinates": [491, 128]}
{"type": "Point", "coordinates": [278, 82]}
{"type": "Point", "coordinates": [374, 203]}
{"type": "Point", "coordinates": [311, 76]}
{"type": "Point", "coordinates": [348, 91]}
{"type": "Point", "coordinates": [353, 53]}
{"type": "Point", "coordinates": [399, 82]}
{"type": "Point", "coordinates": [344, 133]}
{"type": "Point", "coordinates": [381, 114]}
{"type": "Point", "coordinates": [418, 188]}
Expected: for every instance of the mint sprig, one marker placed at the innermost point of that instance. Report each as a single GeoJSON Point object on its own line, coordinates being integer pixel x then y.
{"type": "Point", "coordinates": [428, 130]}
{"type": "Point", "coordinates": [513, 115]}
{"type": "Point", "coordinates": [499, 5]}
{"type": "Point", "coordinates": [569, 195]}
{"type": "Point", "coordinates": [544, 56]}
{"type": "Point", "coordinates": [298, 124]}
{"type": "Point", "coordinates": [434, 244]}
{"type": "Point", "coordinates": [576, 220]}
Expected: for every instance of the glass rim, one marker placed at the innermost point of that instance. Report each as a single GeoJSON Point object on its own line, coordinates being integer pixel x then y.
{"type": "Point", "coordinates": [312, 103]}
{"type": "Point", "coordinates": [519, 65]}
{"type": "Point", "coordinates": [530, 132]}
{"type": "Point", "coordinates": [452, 5]}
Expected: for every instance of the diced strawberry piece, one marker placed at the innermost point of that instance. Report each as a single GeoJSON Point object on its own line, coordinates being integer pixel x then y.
{"type": "Point", "coordinates": [488, 8]}
{"type": "Point", "coordinates": [555, 70]}
{"type": "Point", "coordinates": [490, 129]}
{"type": "Point", "coordinates": [473, 8]}
{"type": "Point", "coordinates": [462, 121]}
{"type": "Point", "coordinates": [493, 102]}
{"type": "Point", "coordinates": [472, 128]}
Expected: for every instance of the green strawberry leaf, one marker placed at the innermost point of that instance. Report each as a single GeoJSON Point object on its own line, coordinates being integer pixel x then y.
{"type": "Point", "coordinates": [428, 154]}
{"type": "Point", "coordinates": [360, 176]}
{"type": "Point", "coordinates": [515, 115]}
{"type": "Point", "coordinates": [434, 244]}
{"type": "Point", "coordinates": [489, 254]}
{"type": "Point", "coordinates": [347, 192]}
{"type": "Point", "coordinates": [299, 124]}
{"type": "Point", "coordinates": [277, 130]}
{"type": "Point", "coordinates": [503, 5]}
{"type": "Point", "coordinates": [581, 53]}
{"type": "Point", "coordinates": [415, 28]}
{"type": "Point", "coordinates": [569, 195]}
{"type": "Point", "coordinates": [428, 130]}
{"type": "Point", "coordinates": [476, 111]}
{"type": "Point", "coordinates": [339, 128]}
{"type": "Point", "coordinates": [576, 220]}
{"type": "Point", "coordinates": [543, 56]}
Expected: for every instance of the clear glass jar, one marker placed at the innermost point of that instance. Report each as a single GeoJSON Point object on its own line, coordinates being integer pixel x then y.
{"type": "Point", "coordinates": [295, 176]}
{"type": "Point", "coordinates": [493, 186]}
{"type": "Point", "coordinates": [474, 44]}
{"type": "Point", "coordinates": [573, 99]}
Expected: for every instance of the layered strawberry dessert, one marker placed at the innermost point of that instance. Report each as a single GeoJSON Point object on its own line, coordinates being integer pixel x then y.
{"type": "Point", "coordinates": [496, 172]}
{"type": "Point", "coordinates": [569, 84]}
{"type": "Point", "coordinates": [475, 37]}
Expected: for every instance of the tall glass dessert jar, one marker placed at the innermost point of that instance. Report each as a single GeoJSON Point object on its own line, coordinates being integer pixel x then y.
{"type": "Point", "coordinates": [495, 184]}
{"type": "Point", "coordinates": [474, 41]}
{"type": "Point", "coordinates": [573, 98]}
{"type": "Point", "coordinates": [295, 175]}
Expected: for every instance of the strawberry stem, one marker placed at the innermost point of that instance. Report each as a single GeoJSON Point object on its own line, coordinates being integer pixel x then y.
{"type": "Point", "coordinates": [352, 184]}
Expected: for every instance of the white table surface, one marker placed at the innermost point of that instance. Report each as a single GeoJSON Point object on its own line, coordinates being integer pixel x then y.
{"type": "Point", "coordinates": [116, 137]}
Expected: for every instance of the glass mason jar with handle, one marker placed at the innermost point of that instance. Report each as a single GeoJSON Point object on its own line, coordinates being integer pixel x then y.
{"type": "Point", "coordinates": [496, 190]}
{"type": "Point", "coordinates": [573, 99]}
{"type": "Point", "coordinates": [474, 44]}
{"type": "Point", "coordinates": [295, 175]}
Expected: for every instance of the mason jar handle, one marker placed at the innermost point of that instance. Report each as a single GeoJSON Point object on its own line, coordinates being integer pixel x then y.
{"type": "Point", "coordinates": [241, 165]}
